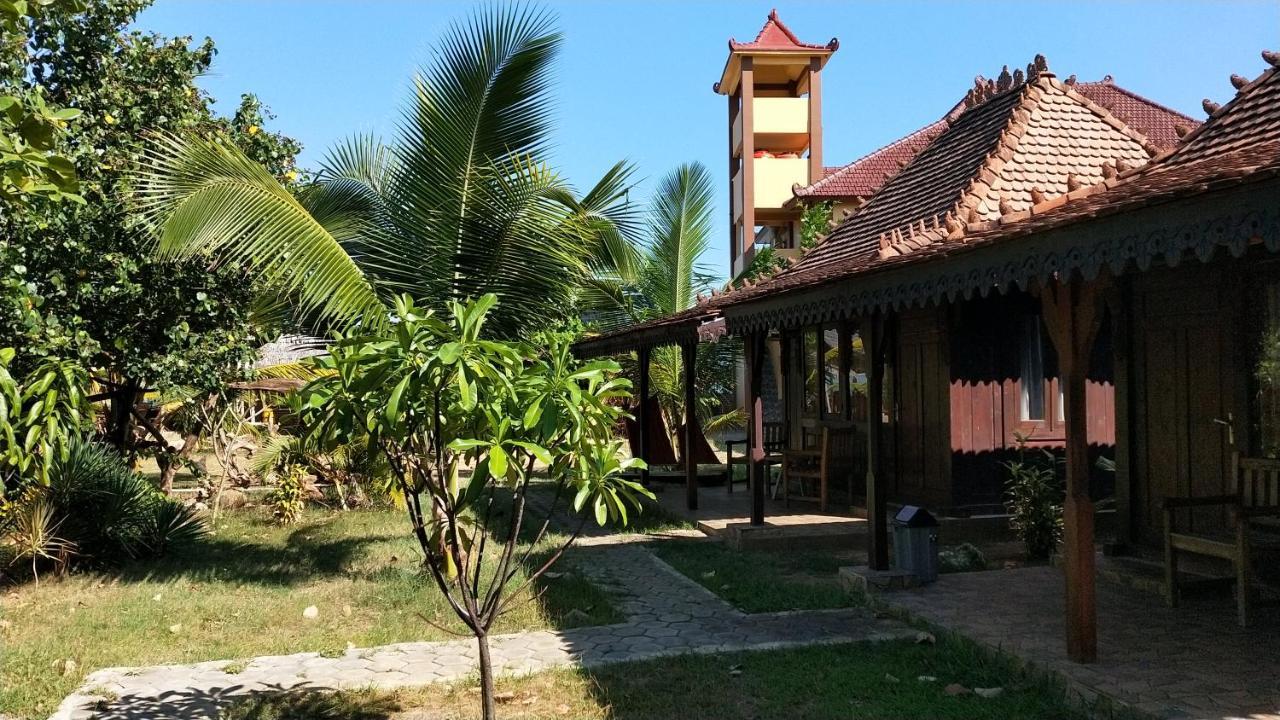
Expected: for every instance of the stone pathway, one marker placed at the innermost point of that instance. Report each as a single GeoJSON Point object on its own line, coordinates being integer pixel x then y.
{"type": "Point", "coordinates": [667, 614]}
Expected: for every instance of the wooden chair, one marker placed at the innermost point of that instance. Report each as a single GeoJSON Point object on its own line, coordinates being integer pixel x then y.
{"type": "Point", "coordinates": [834, 456]}
{"type": "Point", "coordinates": [1256, 501]}
{"type": "Point", "coordinates": [774, 441]}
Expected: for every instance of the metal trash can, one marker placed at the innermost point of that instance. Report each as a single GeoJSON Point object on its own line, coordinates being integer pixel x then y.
{"type": "Point", "coordinates": [915, 543]}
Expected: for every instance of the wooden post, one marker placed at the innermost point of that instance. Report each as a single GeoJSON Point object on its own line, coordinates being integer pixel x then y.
{"type": "Point", "coordinates": [747, 89]}
{"type": "Point", "coordinates": [1071, 312]}
{"type": "Point", "coordinates": [642, 417]}
{"type": "Point", "coordinates": [689, 351]}
{"type": "Point", "coordinates": [815, 120]}
{"type": "Point", "coordinates": [873, 343]}
{"type": "Point", "coordinates": [756, 478]}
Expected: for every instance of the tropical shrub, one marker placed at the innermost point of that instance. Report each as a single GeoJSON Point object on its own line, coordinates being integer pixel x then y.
{"type": "Point", "coordinates": [289, 496]}
{"type": "Point", "coordinates": [1034, 495]}
{"type": "Point", "coordinates": [41, 415]}
{"type": "Point", "coordinates": [464, 422]}
{"type": "Point", "coordinates": [95, 510]}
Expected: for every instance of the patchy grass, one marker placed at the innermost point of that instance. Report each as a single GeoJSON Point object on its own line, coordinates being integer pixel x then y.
{"type": "Point", "coordinates": [241, 593]}
{"type": "Point", "coordinates": [761, 581]}
{"type": "Point", "coordinates": [841, 681]}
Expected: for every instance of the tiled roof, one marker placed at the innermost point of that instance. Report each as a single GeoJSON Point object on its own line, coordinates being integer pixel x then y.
{"type": "Point", "coordinates": [1012, 148]}
{"type": "Point", "coordinates": [862, 177]}
{"type": "Point", "coordinates": [775, 36]}
{"type": "Point", "coordinates": [1240, 143]}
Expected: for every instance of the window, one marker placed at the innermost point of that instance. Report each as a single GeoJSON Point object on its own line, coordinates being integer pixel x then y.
{"type": "Point", "coordinates": [833, 398]}
{"type": "Point", "coordinates": [1031, 355]}
{"type": "Point", "coordinates": [857, 376]}
{"type": "Point", "coordinates": [1267, 374]}
{"type": "Point", "coordinates": [809, 369]}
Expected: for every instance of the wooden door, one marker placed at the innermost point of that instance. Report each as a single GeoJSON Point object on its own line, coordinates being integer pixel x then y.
{"type": "Point", "coordinates": [1183, 377]}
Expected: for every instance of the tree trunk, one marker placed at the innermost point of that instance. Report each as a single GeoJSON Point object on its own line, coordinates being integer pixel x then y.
{"type": "Point", "coordinates": [486, 679]}
{"type": "Point", "coordinates": [169, 468]}
{"type": "Point", "coordinates": [120, 429]}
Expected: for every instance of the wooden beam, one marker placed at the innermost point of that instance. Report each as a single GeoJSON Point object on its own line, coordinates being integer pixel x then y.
{"type": "Point", "coordinates": [642, 417]}
{"type": "Point", "coordinates": [873, 343]}
{"type": "Point", "coordinates": [815, 120]}
{"type": "Point", "coordinates": [747, 84]}
{"type": "Point", "coordinates": [689, 351]}
{"type": "Point", "coordinates": [1072, 313]}
{"type": "Point", "coordinates": [756, 478]}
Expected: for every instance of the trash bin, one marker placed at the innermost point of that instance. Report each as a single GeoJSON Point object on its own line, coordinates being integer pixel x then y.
{"type": "Point", "coordinates": [915, 543]}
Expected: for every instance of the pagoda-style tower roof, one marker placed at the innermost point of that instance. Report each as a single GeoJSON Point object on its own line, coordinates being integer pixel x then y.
{"type": "Point", "coordinates": [782, 53]}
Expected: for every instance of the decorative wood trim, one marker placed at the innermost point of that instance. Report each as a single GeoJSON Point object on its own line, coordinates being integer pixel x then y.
{"type": "Point", "coordinates": [1231, 220]}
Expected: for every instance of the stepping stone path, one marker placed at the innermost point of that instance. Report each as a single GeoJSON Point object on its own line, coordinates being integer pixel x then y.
{"type": "Point", "coordinates": [667, 614]}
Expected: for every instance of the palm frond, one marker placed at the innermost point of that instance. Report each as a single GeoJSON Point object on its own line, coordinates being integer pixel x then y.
{"type": "Point", "coordinates": [203, 197]}
{"type": "Point", "coordinates": [680, 228]}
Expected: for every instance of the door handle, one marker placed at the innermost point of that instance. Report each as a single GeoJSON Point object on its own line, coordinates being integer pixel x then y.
{"type": "Point", "coordinates": [1230, 425]}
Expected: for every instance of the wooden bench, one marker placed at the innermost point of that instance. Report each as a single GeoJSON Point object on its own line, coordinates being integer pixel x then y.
{"type": "Point", "coordinates": [812, 469]}
{"type": "Point", "coordinates": [1256, 501]}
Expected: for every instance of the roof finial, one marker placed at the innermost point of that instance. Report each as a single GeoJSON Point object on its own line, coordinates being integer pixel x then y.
{"type": "Point", "coordinates": [1210, 107]}
{"type": "Point", "coordinates": [1238, 81]}
{"type": "Point", "coordinates": [1122, 165]}
{"type": "Point", "coordinates": [1073, 182]}
{"type": "Point", "coordinates": [1181, 129]}
{"type": "Point", "coordinates": [1037, 196]}
{"type": "Point", "coordinates": [1108, 170]}
{"type": "Point", "coordinates": [1271, 57]}
{"type": "Point", "coordinates": [1004, 80]}
{"type": "Point", "coordinates": [1005, 206]}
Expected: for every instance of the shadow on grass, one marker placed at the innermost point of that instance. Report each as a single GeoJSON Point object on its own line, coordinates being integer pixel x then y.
{"type": "Point", "coordinates": [238, 702]}
{"type": "Point", "coordinates": [302, 559]}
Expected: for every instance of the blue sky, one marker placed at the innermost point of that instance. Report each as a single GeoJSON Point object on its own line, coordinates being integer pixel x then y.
{"type": "Point", "coordinates": [635, 78]}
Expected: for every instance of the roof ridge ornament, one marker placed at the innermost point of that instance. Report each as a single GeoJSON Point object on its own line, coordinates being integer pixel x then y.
{"type": "Point", "coordinates": [984, 89]}
{"type": "Point", "coordinates": [1210, 107]}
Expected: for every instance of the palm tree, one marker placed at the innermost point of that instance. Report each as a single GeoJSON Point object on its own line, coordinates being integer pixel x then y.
{"type": "Point", "coordinates": [461, 204]}
{"type": "Point", "coordinates": [663, 277]}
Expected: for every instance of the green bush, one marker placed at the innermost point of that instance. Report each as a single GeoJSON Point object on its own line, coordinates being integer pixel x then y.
{"type": "Point", "coordinates": [961, 558]}
{"type": "Point", "coordinates": [289, 497]}
{"type": "Point", "coordinates": [1034, 496]}
{"type": "Point", "coordinates": [95, 510]}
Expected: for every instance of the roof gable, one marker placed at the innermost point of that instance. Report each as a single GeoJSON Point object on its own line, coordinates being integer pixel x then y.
{"type": "Point", "coordinates": [1015, 145]}
{"type": "Point", "coordinates": [1160, 125]}
{"type": "Point", "coordinates": [775, 36]}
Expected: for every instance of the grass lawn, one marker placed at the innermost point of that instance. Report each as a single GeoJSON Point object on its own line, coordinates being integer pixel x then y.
{"type": "Point", "coordinates": [861, 681]}
{"type": "Point", "coordinates": [762, 581]}
{"type": "Point", "coordinates": [241, 593]}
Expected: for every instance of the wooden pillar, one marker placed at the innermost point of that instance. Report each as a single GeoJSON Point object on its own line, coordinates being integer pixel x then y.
{"type": "Point", "coordinates": [815, 120]}
{"type": "Point", "coordinates": [756, 478]}
{"type": "Point", "coordinates": [689, 352]}
{"type": "Point", "coordinates": [873, 343]}
{"type": "Point", "coordinates": [1072, 314]}
{"type": "Point", "coordinates": [642, 417]}
{"type": "Point", "coordinates": [747, 89]}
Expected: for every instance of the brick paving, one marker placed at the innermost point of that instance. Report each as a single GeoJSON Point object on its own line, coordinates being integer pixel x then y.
{"type": "Point", "coordinates": [667, 614]}
{"type": "Point", "coordinates": [1192, 662]}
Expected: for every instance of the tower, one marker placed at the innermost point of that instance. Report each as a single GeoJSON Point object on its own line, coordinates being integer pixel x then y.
{"type": "Point", "coordinates": [774, 88]}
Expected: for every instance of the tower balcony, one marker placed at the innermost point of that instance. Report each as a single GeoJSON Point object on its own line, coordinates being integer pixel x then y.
{"type": "Point", "coordinates": [781, 124]}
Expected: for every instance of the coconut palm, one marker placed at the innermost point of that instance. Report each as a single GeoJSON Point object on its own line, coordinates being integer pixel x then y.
{"type": "Point", "coordinates": [461, 204]}
{"type": "Point", "coordinates": [663, 277]}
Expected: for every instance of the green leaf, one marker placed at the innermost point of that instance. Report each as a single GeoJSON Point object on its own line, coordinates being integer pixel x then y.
{"type": "Point", "coordinates": [498, 461]}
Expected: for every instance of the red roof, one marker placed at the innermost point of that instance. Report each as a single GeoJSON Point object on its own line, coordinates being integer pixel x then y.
{"type": "Point", "coordinates": [864, 176]}
{"type": "Point", "coordinates": [775, 36]}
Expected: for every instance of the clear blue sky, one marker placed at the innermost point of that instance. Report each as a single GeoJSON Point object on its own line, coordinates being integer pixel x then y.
{"type": "Point", "coordinates": [635, 78]}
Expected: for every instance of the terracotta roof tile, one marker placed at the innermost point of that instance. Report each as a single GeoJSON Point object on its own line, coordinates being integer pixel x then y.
{"type": "Point", "coordinates": [775, 36]}
{"type": "Point", "coordinates": [864, 176]}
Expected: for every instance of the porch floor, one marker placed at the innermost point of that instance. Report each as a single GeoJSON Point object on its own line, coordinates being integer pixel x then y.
{"type": "Point", "coordinates": [728, 516]}
{"type": "Point", "coordinates": [1193, 661]}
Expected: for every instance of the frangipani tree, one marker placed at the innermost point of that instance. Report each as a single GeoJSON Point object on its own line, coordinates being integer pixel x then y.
{"type": "Point", "coordinates": [464, 423]}
{"type": "Point", "coordinates": [463, 203]}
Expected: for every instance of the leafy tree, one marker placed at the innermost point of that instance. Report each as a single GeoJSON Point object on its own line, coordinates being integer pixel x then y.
{"type": "Point", "coordinates": [463, 203]}
{"type": "Point", "coordinates": [91, 289]}
{"type": "Point", "coordinates": [661, 278]}
{"type": "Point", "coordinates": [435, 397]}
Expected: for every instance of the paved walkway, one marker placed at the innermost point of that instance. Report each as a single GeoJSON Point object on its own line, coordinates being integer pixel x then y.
{"type": "Point", "coordinates": [1188, 662]}
{"type": "Point", "coordinates": [667, 614]}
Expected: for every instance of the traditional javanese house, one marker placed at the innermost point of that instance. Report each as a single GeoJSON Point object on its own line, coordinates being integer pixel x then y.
{"type": "Point", "coordinates": [1042, 271]}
